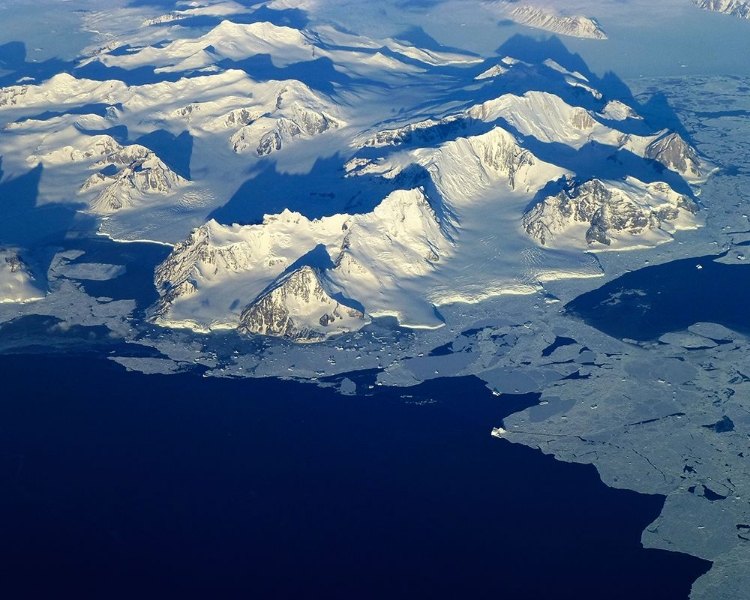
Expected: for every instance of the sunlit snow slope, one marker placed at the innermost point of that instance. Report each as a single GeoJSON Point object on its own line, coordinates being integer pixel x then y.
{"type": "Point", "coordinates": [310, 180]}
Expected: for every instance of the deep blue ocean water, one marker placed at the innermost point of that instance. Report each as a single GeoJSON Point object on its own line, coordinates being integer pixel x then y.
{"type": "Point", "coordinates": [652, 301]}
{"type": "Point", "coordinates": [123, 485]}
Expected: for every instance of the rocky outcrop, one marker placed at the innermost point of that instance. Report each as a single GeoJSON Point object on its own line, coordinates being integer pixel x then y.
{"type": "Point", "coordinates": [299, 113]}
{"type": "Point", "coordinates": [736, 8]}
{"type": "Point", "coordinates": [539, 18]}
{"type": "Point", "coordinates": [240, 117]}
{"type": "Point", "coordinates": [17, 283]}
{"type": "Point", "coordinates": [422, 132]}
{"type": "Point", "coordinates": [299, 308]}
{"type": "Point", "coordinates": [606, 210]}
{"type": "Point", "coordinates": [13, 95]}
{"type": "Point", "coordinates": [676, 154]}
{"type": "Point", "coordinates": [142, 174]}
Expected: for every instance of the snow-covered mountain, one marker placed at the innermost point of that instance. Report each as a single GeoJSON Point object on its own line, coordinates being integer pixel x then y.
{"type": "Point", "coordinates": [220, 9]}
{"type": "Point", "coordinates": [299, 308]}
{"type": "Point", "coordinates": [17, 283]}
{"type": "Point", "coordinates": [219, 115]}
{"type": "Point", "coordinates": [603, 214]}
{"type": "Point", "coordinates": [210, 277]}
{"type": "Point", "coordinates": [305, 169]}
{"type": "Point", "coordinates": [215, 277]}
{"type": "Point", "coordinates": [259, 117]}
{"type": "Point", "coordinates": [285, 46]}
{"type": "Point", "coordinates": [548, 19]}
{"type": "Point", "coordinates": [471, 161]}
{"type": "Point", "coordinates": [59, 91]}
{"type": "Point", "coordinates": [100, 148]}
{"type": "Point", "coordinates": [127, 176]}
{"type": "Point", "coordinates": [297, 113]}
{"type": "Point", "coordinates": [465, 167]}
{"type": "Point", "coordinates": [736, 8]}
{"type": "Point", "coordinates": [228, 40]}
{"type": "Point", "coordinates": [143, 177]}
{"type": "Point", "coordinates": [310, 179]}
{"type": "Point", "coordinates": [489, 158]}
{"type": "Point", "coordinates": [673, 152]}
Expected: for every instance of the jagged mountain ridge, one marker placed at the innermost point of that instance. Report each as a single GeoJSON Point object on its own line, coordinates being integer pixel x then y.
{"type": "Point", "coordinates": [547, 120]}
{"type": "Point", "coordinates": [133, 184]}
{"type": "Point", "coordinates": [365, 257]}
{"type": "Point", "coordinates": [62, 89]}
{"type": "Point", "coordinates": [246, 116]}
{"type": "Point", "coordinates": [409, 201]}
{"type": "Point", "coordinates": [735, 8]}
{"type": "Point", "coordinates": [462, 168]}
{"type": "Point", "coordinates": [230, 40]}
{"type": "Point", "coordinates": [670, 150]}
{"type": "Point", "coordinates": [297, 113]}
{"type": "Point", "coordinates": [476, 156]}
{"type": "Point", "coordinates": [126, 175]}
{"type": "Point", "coordinates": [215, 256]}
{"type": "Point", "coordinates": [548, 19]}
{"type": "Point", "coordinates": [609, 210]}
{"type": "Point", "coordinates": [285, 46]}
{"type": "Point", "coordinates": [260, 116]}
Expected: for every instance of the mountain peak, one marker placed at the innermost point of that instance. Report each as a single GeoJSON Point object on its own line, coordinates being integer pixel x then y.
{"type": "Point", "coordinates": [298, 307]}
{"type": "Point", "coordinates": [736, 8]}
{"type": "Point", "coordinates": [600, 214]}
{"type": "Point", "coordinates": [17, 283]}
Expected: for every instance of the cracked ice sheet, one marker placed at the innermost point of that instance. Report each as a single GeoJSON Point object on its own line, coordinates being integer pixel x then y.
{"type": "Point", "coordinates": [91, 271]}
{"type": "Point", "coordinates": [149, 366]}
{"type": "Point", "coordinates": [69, 302]}
{"type": "Point", "coordinates": [646, 419]}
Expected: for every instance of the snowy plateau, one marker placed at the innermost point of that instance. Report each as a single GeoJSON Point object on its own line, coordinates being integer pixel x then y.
{"type": "Point", "coordinates": [310, 188]}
